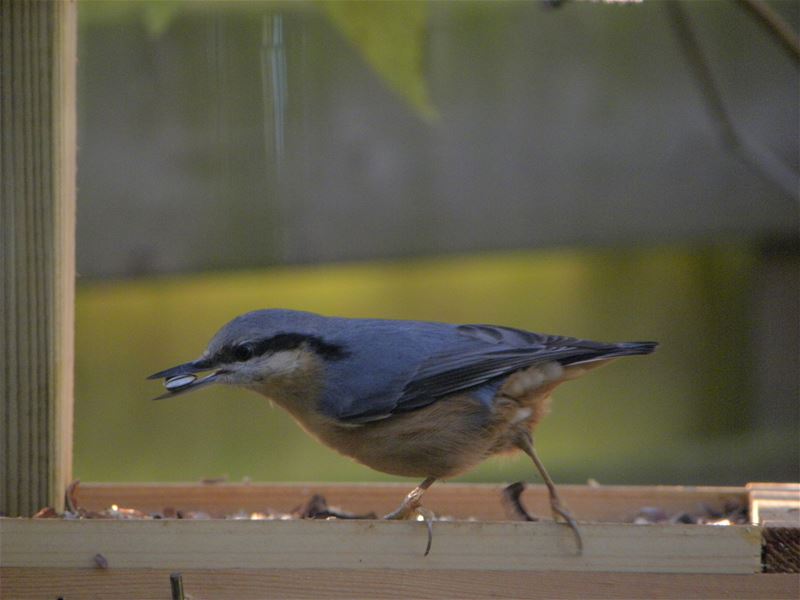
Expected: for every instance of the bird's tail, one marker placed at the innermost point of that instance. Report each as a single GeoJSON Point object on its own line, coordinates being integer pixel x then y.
{"type": "Point", "coordinates": [609, 351]}
{"type": "Point", "coordinates": [632, 348]}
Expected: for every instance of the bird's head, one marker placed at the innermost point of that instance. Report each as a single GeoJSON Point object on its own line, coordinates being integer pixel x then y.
{"type": "Point", "coordinates": [264, 350]}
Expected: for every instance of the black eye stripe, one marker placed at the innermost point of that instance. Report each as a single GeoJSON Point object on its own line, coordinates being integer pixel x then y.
{"type": "Point", "coordinates": [277, 343]}
{"type": "Point", "coordinates": [243, 352]}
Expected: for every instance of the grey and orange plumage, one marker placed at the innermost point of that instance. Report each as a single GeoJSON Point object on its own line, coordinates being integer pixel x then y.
{"type": "Point", "coordinates": [410, 398]}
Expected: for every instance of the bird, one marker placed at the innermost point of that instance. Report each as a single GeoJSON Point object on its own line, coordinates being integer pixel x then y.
{"type": "Point", "coordinates": [418, 399]}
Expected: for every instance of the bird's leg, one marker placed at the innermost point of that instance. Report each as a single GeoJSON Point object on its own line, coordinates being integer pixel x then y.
{"type": "Point", "coordinates": [526, 445]}
{"type": "Point", "coordinates": [412, 504]}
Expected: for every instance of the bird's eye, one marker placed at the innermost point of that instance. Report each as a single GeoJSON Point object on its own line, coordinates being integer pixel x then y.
{"type": "Point", "coordinates": [243, 352]}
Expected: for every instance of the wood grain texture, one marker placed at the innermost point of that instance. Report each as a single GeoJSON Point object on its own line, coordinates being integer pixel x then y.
{"type": "Point", "coordinates": [375, 544]}
{"type": "Point", "coordinates": [300, 584]}
{"type": "Point", "coordinates": [37, 171]}
{"type": "Point", "coordinates": [774, 504]}
{"type": "Point", "coordinates": [62, 353]}
{"type": "Point", "coordinates": [463, 501]}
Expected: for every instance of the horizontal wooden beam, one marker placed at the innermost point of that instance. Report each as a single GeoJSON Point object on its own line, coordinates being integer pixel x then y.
{"type": "Point", "coordinates": [374, 544]}
{"type": "Point", "coordinates": [462, 501]}
{"type": "Point", "coordinates": [300, 584]}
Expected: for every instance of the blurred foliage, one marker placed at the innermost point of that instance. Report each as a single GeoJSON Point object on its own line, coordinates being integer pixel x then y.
{"type": "Point", "coordinates": [390, 36]}
{"type": "Point", "coordinates": [155, 15]}
{"type": "Point", "coordinates": [638, 421]}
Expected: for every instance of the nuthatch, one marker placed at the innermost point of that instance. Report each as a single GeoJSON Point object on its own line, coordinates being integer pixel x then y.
{"type": "Point", "coordinates": [410, 398]}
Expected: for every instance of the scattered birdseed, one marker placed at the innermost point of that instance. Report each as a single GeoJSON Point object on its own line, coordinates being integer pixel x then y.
{"type": "Point", "coordinates": [317, 507]}
{"type": "Point", "coordinates": [100, 561]}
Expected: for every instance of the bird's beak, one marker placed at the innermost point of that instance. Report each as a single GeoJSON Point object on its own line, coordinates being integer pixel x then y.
{"type": "Point", "coordinates": [184, 378]}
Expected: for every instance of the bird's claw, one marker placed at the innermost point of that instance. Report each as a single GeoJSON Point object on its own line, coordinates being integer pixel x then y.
{"type": "Point", "coordinates": [411, 506]}
{"type": "Point", "coordinates": [428, 517]}
{"type": "Point", "coordinates": [560, 511]}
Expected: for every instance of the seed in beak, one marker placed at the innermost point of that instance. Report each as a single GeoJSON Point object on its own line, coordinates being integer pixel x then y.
{"type": "Point", "coordinates": [181, 381]}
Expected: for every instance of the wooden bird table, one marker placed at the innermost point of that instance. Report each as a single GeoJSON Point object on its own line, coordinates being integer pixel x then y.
{"type": "Point", "coordinates": [477, 554]}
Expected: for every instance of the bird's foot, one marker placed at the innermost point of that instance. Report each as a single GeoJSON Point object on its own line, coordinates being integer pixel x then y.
{"type": "Point", "coordinates": [525, 443]}
{"type": "Point", "coordinates": [559, 510]}
{"type": "Point", "coordinates": [512, 499]}
{"type": "Point", "coordinates": [513, 502]}
{"type": "Point", "coordinates": [412, 505]}
{"type": "Point", "coordinates": [427, 516]}
{"type": "Point", "coordinates": [409, 505]}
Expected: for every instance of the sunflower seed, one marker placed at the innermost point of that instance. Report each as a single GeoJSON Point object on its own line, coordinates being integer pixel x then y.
{"type": "Point", "coordinates": [181, 381]}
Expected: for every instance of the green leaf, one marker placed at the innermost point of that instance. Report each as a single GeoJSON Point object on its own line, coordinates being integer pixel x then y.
{"type": "Point", "coordinates": [391, 38]}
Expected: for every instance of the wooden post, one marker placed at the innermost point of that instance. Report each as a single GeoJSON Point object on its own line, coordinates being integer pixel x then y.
{"type": "Point", "coordinates": [37, 227]}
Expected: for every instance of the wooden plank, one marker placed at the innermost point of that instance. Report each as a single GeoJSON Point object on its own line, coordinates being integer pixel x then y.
{"type": "Point", "coordinates": [341, 544]}
{"type": "Point", "coordinates": [774, 504]}
{"type": "Point", "coordinates": [462, 501]}
{"type": "Point", "coordinates": [62, 354]}
{"type": "Point", "coordinates": [776, 507]}
{"type": "Point", "coordinates": [777, 513]}
{"type": "Point", "coordinates": [37, 270]}
{"type": "Point", "coordinates": [299, 584]}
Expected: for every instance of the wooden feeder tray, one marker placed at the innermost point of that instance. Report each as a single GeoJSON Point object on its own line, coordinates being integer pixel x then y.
{"type": "Point", "coordinates": [478, 554]}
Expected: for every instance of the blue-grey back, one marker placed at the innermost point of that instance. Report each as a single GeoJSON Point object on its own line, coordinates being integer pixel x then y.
{"type": "Point", "coordinates": [395, 366]}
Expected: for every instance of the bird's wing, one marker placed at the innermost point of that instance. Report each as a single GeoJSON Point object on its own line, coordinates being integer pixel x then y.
{"type": "Point", "coordinates": [468, 357]}
{"type": "Point", "coordinates": [506, 350]}
{"type": "Point", "coordinates": [449, 373]}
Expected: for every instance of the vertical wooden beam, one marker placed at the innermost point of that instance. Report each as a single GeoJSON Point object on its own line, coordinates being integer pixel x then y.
{"type": "Point", "coordinates": [38, 45]}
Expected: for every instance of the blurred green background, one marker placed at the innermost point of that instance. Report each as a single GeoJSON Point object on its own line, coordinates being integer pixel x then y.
{"type": "Point", "coordinates": [684, 415]}
{"type": "Point", "coordinates": [481, 162]}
